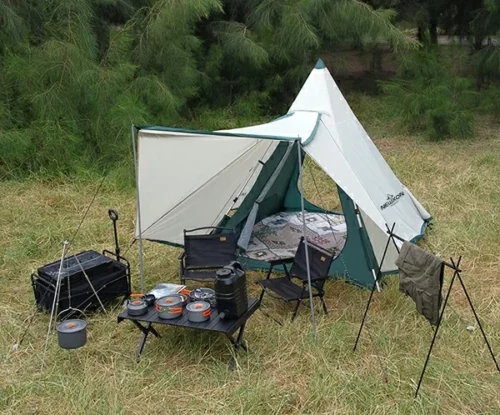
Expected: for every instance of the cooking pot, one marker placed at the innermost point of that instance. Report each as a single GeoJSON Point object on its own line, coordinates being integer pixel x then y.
{"type": "Point", "coordinates": [169, 307]}
{"type": "Point", "coordinates": [137, 305]}
{"type": "Point", "coordinates": [198, 311]}
{"type": "Point", "coordinates": [183, 297]}
{"type": "Point", "coordinates": [72, 333]}
{"type": "Point", "coordinates": [203, 294]}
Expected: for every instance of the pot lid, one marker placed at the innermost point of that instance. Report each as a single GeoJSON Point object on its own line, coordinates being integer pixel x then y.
{"type": "Point", "coordinates": [136, 304]}
{"type": "Point", "coordinates": [71, 326]}
{"type": "Point", "coordinates": [198, 306]}
{"type": "Point", "coordinates": [169, 301]}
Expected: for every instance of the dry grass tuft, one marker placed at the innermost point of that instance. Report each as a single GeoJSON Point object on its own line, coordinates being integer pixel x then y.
{"type": "Point", "coordinates": [285, 372]}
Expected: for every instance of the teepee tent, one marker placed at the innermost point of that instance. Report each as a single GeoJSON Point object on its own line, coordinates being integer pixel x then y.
{"type": "Point", "coordinates": [246, 179]}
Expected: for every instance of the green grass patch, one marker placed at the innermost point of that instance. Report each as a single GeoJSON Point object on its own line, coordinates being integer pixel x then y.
{"type": "Point", "coordinates": [285, 372]}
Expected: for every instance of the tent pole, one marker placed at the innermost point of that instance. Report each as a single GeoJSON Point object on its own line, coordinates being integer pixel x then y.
{"type": "Point", "coordinates": [141, 252]}
{"type": "Point", "coordinates": [308, 268]}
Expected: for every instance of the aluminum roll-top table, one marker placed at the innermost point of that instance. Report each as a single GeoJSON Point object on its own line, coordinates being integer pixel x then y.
{"type": "Point", "coordinates": [215, 324]}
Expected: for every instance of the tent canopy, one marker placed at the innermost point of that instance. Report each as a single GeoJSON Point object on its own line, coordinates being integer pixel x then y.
{"type": "Point", "coordinates": [190, 179]}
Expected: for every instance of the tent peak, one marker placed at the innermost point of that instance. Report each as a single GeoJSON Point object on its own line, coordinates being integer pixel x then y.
{"type": "Point", "coordinates": [320, 64]}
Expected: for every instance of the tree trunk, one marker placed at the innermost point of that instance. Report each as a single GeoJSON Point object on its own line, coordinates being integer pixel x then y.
{"type": "Point", "coordinates": [478, 43]}
{"type": "Point", "coordinates": [376, 62]}
{"type": "Point", "coordinates": [433, 25]}
{"type": "Point", "coordinates": [420, 34]}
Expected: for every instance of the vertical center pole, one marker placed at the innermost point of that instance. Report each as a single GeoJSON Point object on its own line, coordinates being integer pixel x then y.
{"type": "Point", "coordinates": [304, 230]}
{"type": "Point", "coordinates": [141, 252]}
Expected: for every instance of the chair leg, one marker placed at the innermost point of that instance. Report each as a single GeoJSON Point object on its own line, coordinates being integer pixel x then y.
{"type": "Point", "coordinates": [267, 277]}
{"type": "Point", "coordinates": [262, 295]}
{"type": "Point", "coordinates": [269, 272]}
{"type": "Point", "coordinates": [323, 303]}
{"type": "Point", "coordinates": [296, 310]}
{"type": "Point", "coordinates": [287, 273]}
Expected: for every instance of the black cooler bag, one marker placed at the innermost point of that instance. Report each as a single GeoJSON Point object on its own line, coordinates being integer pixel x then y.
{"type": "Point", "coordinates": [109, 277]}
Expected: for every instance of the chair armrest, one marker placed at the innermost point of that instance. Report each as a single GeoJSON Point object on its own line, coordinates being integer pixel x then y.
{"type": "Point", "coordinates": [181, 256]}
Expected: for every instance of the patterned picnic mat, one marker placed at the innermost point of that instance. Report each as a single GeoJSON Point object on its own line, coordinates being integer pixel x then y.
{"type": "Point", "coordinates": [278, 236]}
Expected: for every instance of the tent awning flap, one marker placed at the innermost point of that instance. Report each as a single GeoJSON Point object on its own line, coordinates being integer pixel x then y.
{"type": "Point", "coordinates": [188, 181]}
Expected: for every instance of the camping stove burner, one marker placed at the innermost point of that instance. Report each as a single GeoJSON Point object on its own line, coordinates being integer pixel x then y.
{"type": "Point", "coordinates": [203, 294]}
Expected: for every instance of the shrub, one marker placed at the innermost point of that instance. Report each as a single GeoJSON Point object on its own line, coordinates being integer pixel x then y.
{"type": "Point", "coordinates": [428, 99]}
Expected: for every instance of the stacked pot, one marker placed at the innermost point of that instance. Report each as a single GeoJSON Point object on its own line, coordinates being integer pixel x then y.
{"type": "Point", "coordinates": [172, 306]}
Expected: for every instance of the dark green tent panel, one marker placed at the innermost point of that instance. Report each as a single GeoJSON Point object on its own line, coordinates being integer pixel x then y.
{"type": "Point", "coordinates": [356, 261]}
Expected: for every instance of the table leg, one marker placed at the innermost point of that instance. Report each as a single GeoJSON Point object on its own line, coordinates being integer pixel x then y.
{"type": "Point", "coordinates": [237, 344]}
{"type": "Point", "coordinates": [148, 329]}
{"type": "Point", "coordinates": [155, 333]}
{"type": "Point", "coordinates": [145, 332]}
{"type": "Point", "coordinates": [239, 340]}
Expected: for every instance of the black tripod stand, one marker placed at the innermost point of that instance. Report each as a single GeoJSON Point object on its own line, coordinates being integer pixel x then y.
{"type": "Point", "coordinates": [456, 274]}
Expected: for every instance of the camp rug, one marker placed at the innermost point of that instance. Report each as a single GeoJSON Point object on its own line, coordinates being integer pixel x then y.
{"type": "Point", "coordinates": [278, 236]}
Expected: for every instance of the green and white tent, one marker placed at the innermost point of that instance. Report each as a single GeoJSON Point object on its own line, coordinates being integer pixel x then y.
{"type": "Point", "coordinates": [237, 178]}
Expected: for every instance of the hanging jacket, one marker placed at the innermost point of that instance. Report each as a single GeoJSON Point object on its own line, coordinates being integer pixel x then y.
{"type": "Point", "coordinates": [421, 277]}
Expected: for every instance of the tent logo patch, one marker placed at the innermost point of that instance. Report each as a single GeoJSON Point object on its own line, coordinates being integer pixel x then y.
{"type": "Point", "coordinates": [391, 200]}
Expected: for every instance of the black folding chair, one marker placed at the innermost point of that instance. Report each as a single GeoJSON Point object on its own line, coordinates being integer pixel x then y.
{"type": "Point", "coordinates": [205, 254]}
{"type": "Point", "coordinates": [286, 289]}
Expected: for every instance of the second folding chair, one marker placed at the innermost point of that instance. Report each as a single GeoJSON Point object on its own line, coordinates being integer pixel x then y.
{"type": "Point", "coordinates": [285, 288]}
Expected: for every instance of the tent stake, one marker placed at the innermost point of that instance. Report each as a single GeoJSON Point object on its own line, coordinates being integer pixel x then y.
{"type": "Point", "coordinates": [304, 229]}
{"type": "Point", "coordinates": [141, 252]}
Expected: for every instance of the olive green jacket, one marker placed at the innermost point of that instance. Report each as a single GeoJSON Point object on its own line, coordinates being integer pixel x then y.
{"type": "Point", "coordinates": [421, 277]}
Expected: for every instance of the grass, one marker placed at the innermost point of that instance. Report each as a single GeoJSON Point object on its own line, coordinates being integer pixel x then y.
{"type": "Point", "coordinates": [285, 371]}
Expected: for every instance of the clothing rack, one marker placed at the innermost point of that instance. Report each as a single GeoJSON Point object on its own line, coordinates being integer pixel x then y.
{"type": "Point", "coordinates": [455, 266]}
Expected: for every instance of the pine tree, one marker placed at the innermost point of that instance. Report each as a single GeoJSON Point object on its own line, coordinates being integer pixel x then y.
{"type": "Point", "coordinates": [76, 73]}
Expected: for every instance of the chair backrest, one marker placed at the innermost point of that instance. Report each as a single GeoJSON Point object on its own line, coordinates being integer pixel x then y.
{"type": "Point", "coordinates": [319, 261]}
{"type": "Point", "coordinates": [209, 251]}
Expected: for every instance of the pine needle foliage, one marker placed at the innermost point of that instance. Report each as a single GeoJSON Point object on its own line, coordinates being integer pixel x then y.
{"type": "Point", "coordinates": [487, 59]}
{"type": "Point", "coordinates": [427, 99]}
{"type": "Point", "coordinates": [75, 74]}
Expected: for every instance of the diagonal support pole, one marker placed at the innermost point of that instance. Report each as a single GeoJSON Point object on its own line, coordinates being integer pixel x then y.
{"type": "Point", "coordinates": [55, 302]}
{"type": "Point", "coordinates": [477, 320]}
{"type": "Point", "coordinates": [373, 288]}
{"type": "Point", "coordinates": [456, 274]}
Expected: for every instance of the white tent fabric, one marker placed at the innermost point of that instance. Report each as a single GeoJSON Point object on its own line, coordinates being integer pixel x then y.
{"type": "Point", "coordinates": [368, 180]}
{"type": "Point", "coordinates": [181, 172]}
{"type": "Point", "coordinates": [190, 179]}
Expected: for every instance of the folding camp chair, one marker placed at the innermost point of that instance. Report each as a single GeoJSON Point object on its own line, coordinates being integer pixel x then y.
{"type": "Point", "coordinates": [204, 254]}
{"type": "Point", "coordinates": [285, 289]}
